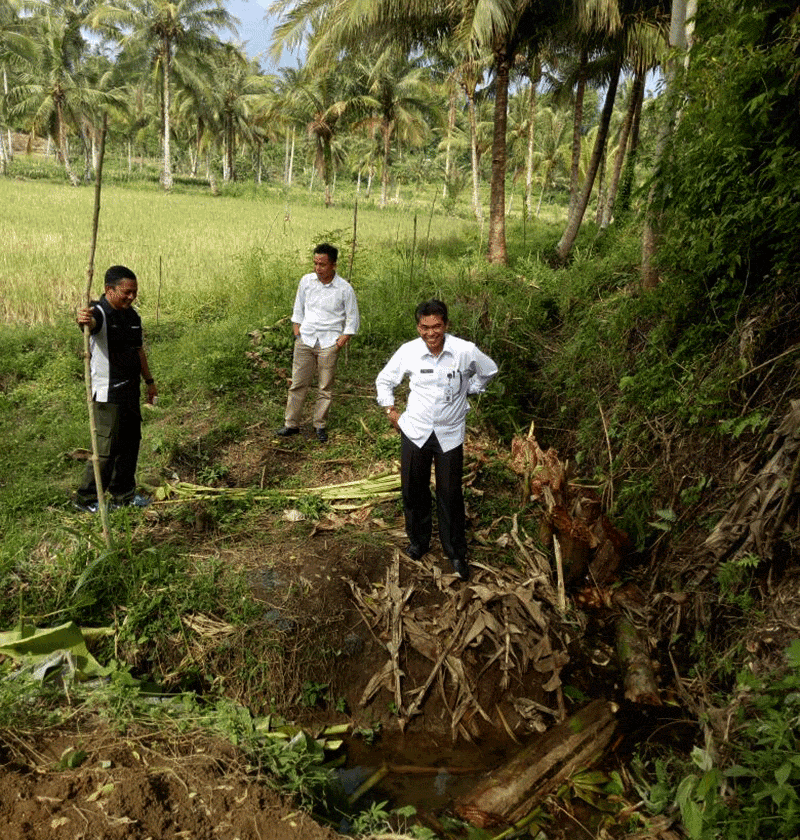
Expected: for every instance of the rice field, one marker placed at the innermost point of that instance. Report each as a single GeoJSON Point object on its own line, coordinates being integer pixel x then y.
{"type": "Point", "coordinates": [181, 246]}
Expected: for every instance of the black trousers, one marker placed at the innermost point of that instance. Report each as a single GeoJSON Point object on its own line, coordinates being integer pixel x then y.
{"type": "Point", "coordinates": [119, 433]}
{"type": "Point", "coordinates": [415, 474]}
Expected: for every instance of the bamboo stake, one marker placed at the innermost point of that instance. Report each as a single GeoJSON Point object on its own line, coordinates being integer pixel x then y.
{"type": "Point", "coordinates": [413, 250]}
{"type": "Point", "coordinates": [353, 247]}
{"type": "Point", "coordinates": [158, 301]}
{"type": "Point", "coordinates": [428, 235]}
{"type": "Point", "coordinates": [87, 368]}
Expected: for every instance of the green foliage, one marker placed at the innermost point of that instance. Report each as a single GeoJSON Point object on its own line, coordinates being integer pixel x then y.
{"type": "Point", "coordinates": [728, 186]}
{"type": "Point", "coordinates": [312, 693]}
{"type": "Point", "coordinates": [372, 820]}
{"type": "Point", "coordinates": [751, 790]}
{"type": "Point", "coordinates": [734, 577]}
{"type": "Point", "coordinates": [313, 507]}
{"type": "Point", "coordinates": [379, 819]}
{"type": "Point", "coordinates": [153, 586]}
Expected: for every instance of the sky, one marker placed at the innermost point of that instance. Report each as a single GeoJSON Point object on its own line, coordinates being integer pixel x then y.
{"type": "Point", "coordinates": [256, 31]}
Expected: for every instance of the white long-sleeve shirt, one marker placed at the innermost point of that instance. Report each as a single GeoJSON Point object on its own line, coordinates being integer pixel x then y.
{"type": "Point", "coordinates": [325, 310]}
{"type": "Point", "coordinates": [439, 387]}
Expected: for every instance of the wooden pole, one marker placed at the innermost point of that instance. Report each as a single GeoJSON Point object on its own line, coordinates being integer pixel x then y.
{"type": "Point", "coordinates": [87, 366]}
{"type": "Point", "coordinates": [413, 250]}
{"type": "Point", "coordinates": [158, 301]}
{"type": "Point", "coordinates": [353, 246]}
{"type": "Point", "coordinates": [428, 235]}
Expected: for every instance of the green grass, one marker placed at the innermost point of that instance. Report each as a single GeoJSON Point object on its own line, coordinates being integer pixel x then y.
{"type": "Point", "coordinates": [188, 250]}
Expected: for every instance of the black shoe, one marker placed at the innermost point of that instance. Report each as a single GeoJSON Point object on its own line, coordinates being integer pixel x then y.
{"type": "Point", "coordinates": [287, 430]}
{"type": "Point", "coordinates": [461, 568]}
{"type": "Point", "coordinates": [322, 435]}
{"type": "Point", "coordinates": [85, 507]}
{"type": "Point", "coordinates": [414, 553]}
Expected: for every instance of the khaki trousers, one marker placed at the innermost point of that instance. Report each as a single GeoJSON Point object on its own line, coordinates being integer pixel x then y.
{"type": "Point", "coordinates": [306, 362]}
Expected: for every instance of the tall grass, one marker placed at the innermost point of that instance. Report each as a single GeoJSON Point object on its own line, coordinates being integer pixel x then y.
{"type": "Point", "coordinates": [182, 246]}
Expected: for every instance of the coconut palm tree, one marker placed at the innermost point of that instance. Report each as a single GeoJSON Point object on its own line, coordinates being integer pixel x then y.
{"type": "Point", "coordinates": [52, 91]}
{"type": "Point", "coordinates": [639, 23]}
{"type": "Point", "coordinates": [634, 103]}
{"type": "Point", "coordinates": [16, 48]}
{"type": "Point", "coordinates": [284, 112]}
{"type": "Point", "coordinates": [240, 92]}
{"type": "Point", "coordinates": [173, 33]}
{"type": "Point", "coordinates": [680, 28]}
{"type": "Point", "coordinates": [499, 27]}
{"type": "Point", "coordinates": [401, 102]}
{"type": "Point", "coordinates": [553, 148]}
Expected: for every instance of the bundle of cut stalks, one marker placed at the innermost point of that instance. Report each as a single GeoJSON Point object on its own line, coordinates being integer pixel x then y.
{"type": "Point", "coordinates": [368, 490]}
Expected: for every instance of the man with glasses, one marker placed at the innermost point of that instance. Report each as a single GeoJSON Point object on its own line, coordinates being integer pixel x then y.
{"type": "Point", "coordinates": [443, 371]}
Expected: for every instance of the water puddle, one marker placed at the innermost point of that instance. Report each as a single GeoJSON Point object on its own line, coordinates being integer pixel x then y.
{"type": "Point", "coordinates": [424, 770]}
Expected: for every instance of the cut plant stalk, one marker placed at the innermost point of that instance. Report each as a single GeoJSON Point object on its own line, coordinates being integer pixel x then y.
{"type": "Point", "coordinates": [374, 488]}
{"type": "Point", "coordinates": [87, 366]}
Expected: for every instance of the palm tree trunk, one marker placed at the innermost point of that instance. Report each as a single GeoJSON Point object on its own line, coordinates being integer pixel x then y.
{"type": "Point", "coordinates": [212, 175]}
{"type": "Point", "coordinates": [62, 145]}
{"type": "Point", "coordinates": [473, 145]}
{"type": "Point", "coordinates": [536, 76]}
{"type": "Point", "coordinates": [601, 189]}
{"type": "Point", "coordinates": [88, 153]}
{"type": "Point", "coordinates": [451, 124]}
{"type": "Point", "coordinates": [577, 122]}
{"type": "Point", "coordinates": [573, 225]}
{"type": "Point", "coordinates": [544, 186]}
{"type": "Point", "coordinates": [231, 148]}
{"type": "Point", "coordinates": [625, 134]}
{"type": "Point", "coordinates": [198, 146]}
{"type": "Point", "coordinates": [226, 175]}
{"type": "Point", "coordinates": [629, 170]}
{"type": "Point", "coordinates": [10, 143]}
{"type": "Point", "coordinates": [291, 161]}
{"type": "Point", "coordinates": [166, 175]}
{"type": "Point", "coordinates": [386, 131]}
{"type": "Point", "coordinates": [497, 198]}
{"type": "Point", "coordinates": [327, 169]}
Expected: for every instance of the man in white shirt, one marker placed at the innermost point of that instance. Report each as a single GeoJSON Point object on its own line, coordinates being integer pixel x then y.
{"type": "Point", "coordinates": [443, 371]}
{"type": "Point", "coordinates": [324, 318]}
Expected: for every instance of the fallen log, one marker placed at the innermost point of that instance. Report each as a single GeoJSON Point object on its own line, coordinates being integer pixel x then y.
{"type": "Point", "coordinates": [633, 651]}
{"type": "Point", "coordinates": [513, 789]}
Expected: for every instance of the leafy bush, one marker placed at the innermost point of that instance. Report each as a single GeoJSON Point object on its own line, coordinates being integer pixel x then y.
{"type": "Point", "coordinates": [727, 188]}
{"type": "Point", "coordinates": [748, 789]}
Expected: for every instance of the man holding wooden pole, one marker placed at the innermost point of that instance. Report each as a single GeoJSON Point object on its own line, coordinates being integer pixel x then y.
{"type": "Point", "coordinates": [118, 361]}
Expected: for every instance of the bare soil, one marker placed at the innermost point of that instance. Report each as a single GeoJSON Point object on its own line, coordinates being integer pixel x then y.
{"type": "Point", "coordinates": [136, 788]}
